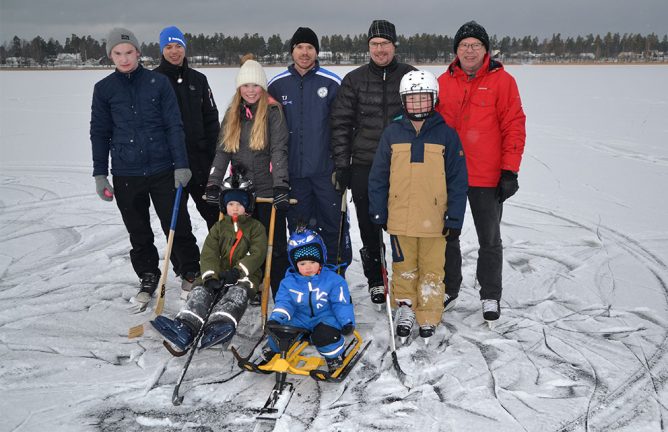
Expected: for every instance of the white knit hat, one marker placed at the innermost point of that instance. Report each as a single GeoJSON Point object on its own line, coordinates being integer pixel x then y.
{"type": "Point", "coordinates": [251, 72]}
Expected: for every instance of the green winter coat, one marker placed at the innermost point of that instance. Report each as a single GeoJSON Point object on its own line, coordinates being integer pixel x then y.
{"type": "Point", "coordinates": [248, 256]}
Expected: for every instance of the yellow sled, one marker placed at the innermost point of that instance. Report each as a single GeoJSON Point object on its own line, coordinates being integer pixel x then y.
{"type": "Point", "coordinates": [291, 359]}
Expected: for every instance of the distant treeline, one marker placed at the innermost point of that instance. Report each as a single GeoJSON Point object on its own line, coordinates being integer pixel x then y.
{"type": "Point", "coordinates": [424, 48]}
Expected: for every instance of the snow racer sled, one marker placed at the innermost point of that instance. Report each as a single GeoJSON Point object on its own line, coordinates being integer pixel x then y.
{"type": "Point", "coordinates": [292, 341]}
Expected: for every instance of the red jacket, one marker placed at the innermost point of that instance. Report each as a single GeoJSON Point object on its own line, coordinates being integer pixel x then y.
{"type": "Point", "coordinates": [486, 112]}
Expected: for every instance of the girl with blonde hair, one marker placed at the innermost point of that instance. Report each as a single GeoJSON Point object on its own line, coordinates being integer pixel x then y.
{"type": "Point", "coordinates": [254, 138]}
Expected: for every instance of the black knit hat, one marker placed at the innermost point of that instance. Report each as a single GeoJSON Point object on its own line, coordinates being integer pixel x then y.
{"type": "Point", "coordinates": [382, 29]}
{"type": "Point", "coordinates": [474, 30]}
{"type": "Point", "coordinates": [304, 35]}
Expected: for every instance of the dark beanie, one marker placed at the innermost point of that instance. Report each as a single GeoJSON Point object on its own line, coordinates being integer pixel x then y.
{"type": "Point", "coordinates": [474, 30]}
{"type": "Point", "coordinates": [304, 35]}
{"type": "Point", "coordinates": [382, 29]}
{"type": "Point", "coordinates": [236, 195]}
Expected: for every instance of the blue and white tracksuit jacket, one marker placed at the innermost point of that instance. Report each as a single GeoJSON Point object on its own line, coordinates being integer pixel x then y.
{"type": "Point", "coordinates": [306, 301]}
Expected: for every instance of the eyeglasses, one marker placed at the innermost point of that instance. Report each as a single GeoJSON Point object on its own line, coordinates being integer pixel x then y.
{"type": "Point", "coordinates": [475, 46]}
{"type": "Point", "coordinates": [383, 44]}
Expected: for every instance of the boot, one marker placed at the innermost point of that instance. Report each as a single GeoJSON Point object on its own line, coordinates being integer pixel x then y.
{"type": "Point", "coordinates": [175, 331]}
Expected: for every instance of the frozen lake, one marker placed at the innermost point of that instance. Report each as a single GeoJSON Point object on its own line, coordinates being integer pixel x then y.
{"type": "Point", "coordinates": [581, 344]}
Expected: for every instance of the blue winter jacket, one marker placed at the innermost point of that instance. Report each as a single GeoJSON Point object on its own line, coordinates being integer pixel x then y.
{"type": "Point", "coordinates": [306, 101]}
{"type": "Point", "coordinates": [306, 301]}
{"type": "Point", "coordinates": [136, 118]}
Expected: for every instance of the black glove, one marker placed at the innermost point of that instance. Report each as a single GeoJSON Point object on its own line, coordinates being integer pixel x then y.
{"type": "Point", "coordinates": [281, 198]}
{"type": "Point", "coordinates": [347, 329]}
{"type": "Point", "coordinates": [452, 234]}
{"type": "Point", "coordinates": [212, 195]}
{"type": "Point", "coordinates": [272, 322]}
{"type": "Point", "coordinates": [230, 277]}
{"type": "Point", "coordinates": [507, 185]}
{"type": "Point", "coordinates": [341, 179]}
{"type": "Point", "coordinates": [213, 285]}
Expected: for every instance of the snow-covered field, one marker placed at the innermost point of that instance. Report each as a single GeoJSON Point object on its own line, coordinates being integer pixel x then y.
{"type": "Point", "coordinates": [581, 344]}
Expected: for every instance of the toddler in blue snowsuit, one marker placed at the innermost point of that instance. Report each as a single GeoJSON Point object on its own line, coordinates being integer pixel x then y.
{"type": "Point", "coordinates": [314, 297]}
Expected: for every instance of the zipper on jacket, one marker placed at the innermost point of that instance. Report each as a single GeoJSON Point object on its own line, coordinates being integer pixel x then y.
{"type": "Point", "coordinates": [384, 97]}
{"type": "Point", "coordinates": [310, 303]}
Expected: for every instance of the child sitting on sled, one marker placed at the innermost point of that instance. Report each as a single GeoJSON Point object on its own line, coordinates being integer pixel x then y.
{"type": "Point", "coordinates": [231, 261]}
{"type": "Point", "coordinates": [314, 297]}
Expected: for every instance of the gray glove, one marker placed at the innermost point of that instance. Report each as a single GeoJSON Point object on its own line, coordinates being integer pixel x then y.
{"type": "Point", "coordinates": [103, 188]}
{"type": "Point", "coordinates": [182, 176]}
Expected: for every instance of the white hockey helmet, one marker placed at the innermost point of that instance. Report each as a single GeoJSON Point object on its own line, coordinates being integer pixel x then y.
{"type": "Point", "coordinates": [416, 82]}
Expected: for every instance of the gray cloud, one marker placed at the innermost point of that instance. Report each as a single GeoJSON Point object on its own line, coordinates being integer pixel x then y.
{"type": "Point", "coordinates": [59, 19]}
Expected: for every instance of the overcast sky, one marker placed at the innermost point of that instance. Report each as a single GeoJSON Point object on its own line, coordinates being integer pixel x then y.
{"type": "Point", "coordinates": [542, 18]}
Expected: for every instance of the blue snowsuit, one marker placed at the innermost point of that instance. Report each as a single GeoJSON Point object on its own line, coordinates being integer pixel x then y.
{"type": "Point", "coordinates": [320, 303]}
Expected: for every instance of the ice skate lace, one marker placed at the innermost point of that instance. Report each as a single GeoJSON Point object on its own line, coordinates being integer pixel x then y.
{"type": "Point", "coordinates": [406, 317]}
{"type": "Point", "coordinates": [490, 306]}
{"type": "Point", "coordinates": [377, 290]}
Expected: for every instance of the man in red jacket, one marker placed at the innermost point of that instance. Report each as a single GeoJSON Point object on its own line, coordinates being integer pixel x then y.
{"type": "Point", "coordinates": [481, 101]}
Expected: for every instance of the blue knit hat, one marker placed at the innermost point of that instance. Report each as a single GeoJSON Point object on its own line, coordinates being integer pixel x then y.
{"type": "Point", "coordinates": [309, 252]}
{"type": "Point", "coordinates": [236, 195]}
{"type": "Point", "coordinates": [169, 35]}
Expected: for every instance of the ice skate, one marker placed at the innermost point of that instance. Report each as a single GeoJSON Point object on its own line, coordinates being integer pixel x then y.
{"type": "Point", "coordinates": [426, 332]}
{"type": "Point", "coordinates": [449, 302]}
{"type": "Point", "coordinates": [491, 312]}
{"type": "Point", "coordinates": [377, 294]}
{"type": "Point", "coordinates": [405, 321]}
{"type": "Point", "coordinates": [148, 285]}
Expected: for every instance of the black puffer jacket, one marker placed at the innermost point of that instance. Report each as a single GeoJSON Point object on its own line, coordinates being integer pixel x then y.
{"type": "Point", "coordinates": [367, 101]}
{"type": "Point", "coordinates": [199, 114]}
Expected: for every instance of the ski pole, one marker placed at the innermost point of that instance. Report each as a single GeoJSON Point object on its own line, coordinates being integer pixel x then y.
{"type": "Point", "coordinates": [138, 330]}
{"type": "Point", "coordinates": [383, 269]}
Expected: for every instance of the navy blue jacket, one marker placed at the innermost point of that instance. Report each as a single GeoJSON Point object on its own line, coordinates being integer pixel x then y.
{"type": "Point", "coordinates": [306, 101]}
{"type": "Point", "coordinates": [306, 301]}
{"type": "Point", "coordinates": [136, 118]}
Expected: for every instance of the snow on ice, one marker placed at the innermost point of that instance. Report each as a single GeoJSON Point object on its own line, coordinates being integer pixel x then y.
{"type": "Point", "coordinates": [582, 340]}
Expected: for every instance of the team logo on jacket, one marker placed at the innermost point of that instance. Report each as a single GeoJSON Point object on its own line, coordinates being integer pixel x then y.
{"type": "Point", "coordinates": [322, 92]}
{"type": "Point", "coordinates": [284, 100]}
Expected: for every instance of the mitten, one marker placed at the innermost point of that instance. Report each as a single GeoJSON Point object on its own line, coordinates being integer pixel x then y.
{"type": "Point", "coordinates": [213, 285]}
{"type": "Point", "coordinates": [182, 177]}
{"type": "Point", "coordinates": [230, 277]}
{"type": "Point", "coordinates": [507, 185]}
{"type": "Point", "coordinates": [341, 179]}
{"type": "Point", "coordinates": [103, 188]}
{"type": "Point", "coordinates": [281, 198]}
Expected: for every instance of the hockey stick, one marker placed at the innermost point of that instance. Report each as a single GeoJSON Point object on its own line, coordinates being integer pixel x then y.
{"type": "Point", "coordinates": [266, 283]}
{"type": "Point", "coordinates": [393, 347]}
{"type": "Point", "coordinates": [138, 330]}
{"type": "Point", "coordinates": [344, 209]}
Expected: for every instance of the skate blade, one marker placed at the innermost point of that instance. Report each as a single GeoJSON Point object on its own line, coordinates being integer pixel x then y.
{"type": "Point", "coordinates": [491, 324]}
{"type": "Point", "coordinates": [379, 306]}
{"type": "Point", "coordinates": [403, 340]}
{"type": "Point", "coordinates": [139, 303]}
{"type": "Point", "coordinates": [426, 340]}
